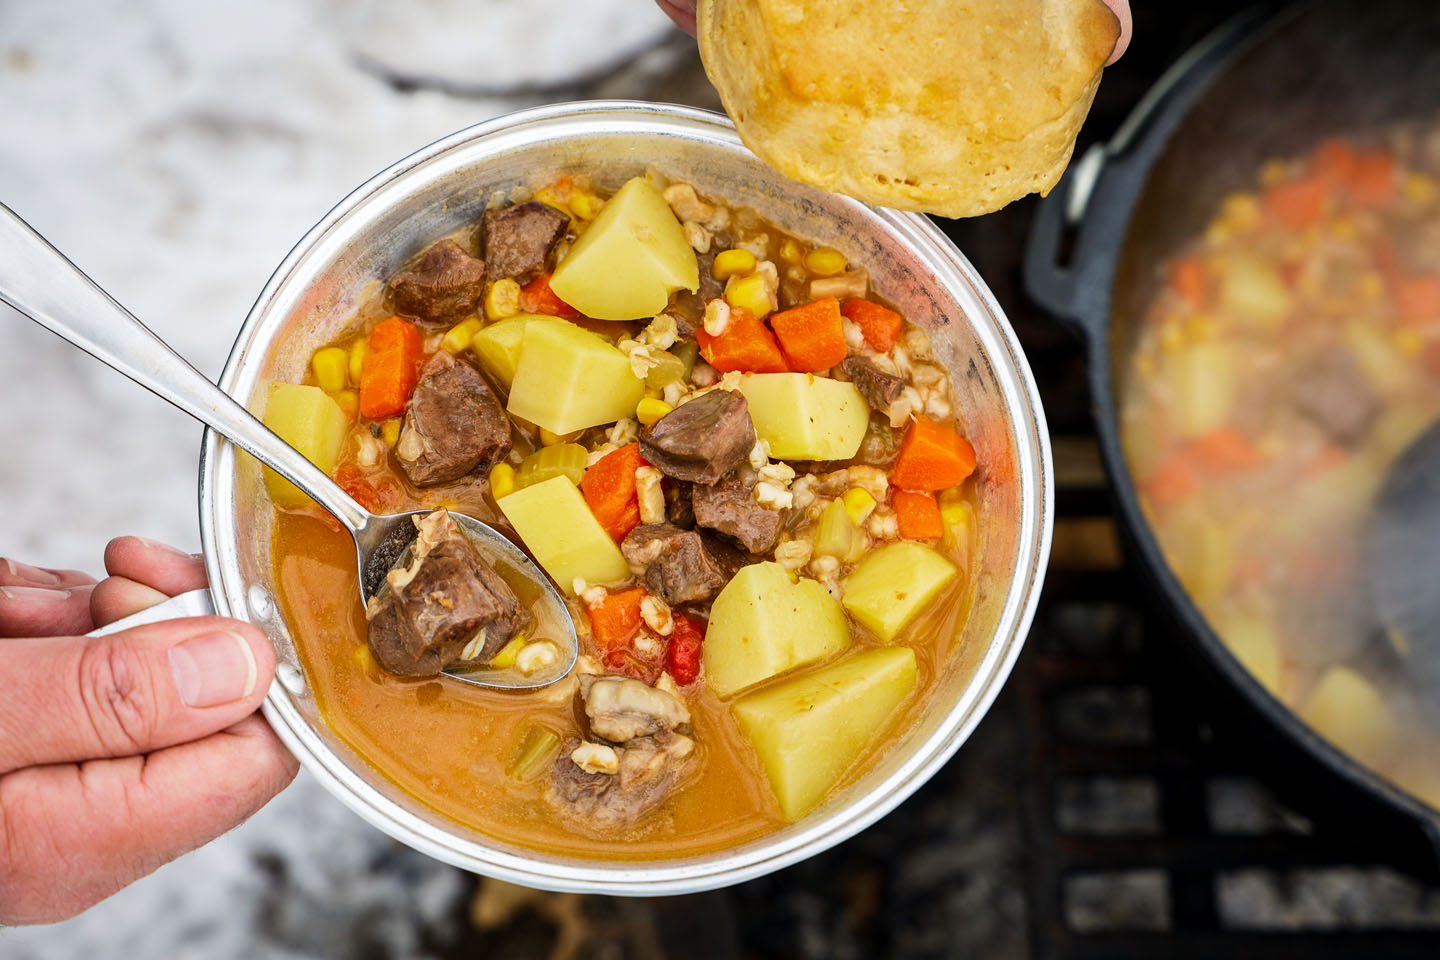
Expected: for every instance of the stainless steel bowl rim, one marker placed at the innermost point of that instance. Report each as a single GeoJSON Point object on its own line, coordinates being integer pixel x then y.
{"type": "Point", "coordinates": [1035, 481]}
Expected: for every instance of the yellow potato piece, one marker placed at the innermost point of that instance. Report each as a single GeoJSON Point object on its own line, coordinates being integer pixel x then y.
{"type": "Point", "coordinates": [312, 422]}
{"type": "Point", "coordinates": [808, 731]}
{"type": "Point", "coordinates": [556, 524]}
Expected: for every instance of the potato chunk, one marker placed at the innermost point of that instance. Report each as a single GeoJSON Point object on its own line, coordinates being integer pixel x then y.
{"type": "Point", "coordinates": [761, 624]}
{"type": "Point", "coordinates": [568, 378]}
{"type": "Point", "coordinates": [497, 346]}
{"type": "Point", "coordinates": [554, 521]}
{"type": "Point", "coordinates": [312, 422]}
{"type": "Point", "coordinates": [808, 731]}
{"type": "Point", "coordinates": [629, 261]}
{"type": "Point", "coordinates": [804, 417]}
{"type": "Point", "coordinates": [890, 587]}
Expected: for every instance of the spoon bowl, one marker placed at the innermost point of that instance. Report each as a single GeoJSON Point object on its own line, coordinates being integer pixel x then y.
{"type": "Point", "coordinates": [39, 282]}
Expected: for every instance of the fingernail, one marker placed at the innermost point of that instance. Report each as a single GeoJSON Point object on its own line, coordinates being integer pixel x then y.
{"type": "Point", "coordinates": [213, 669]}
{"type": "Point", "coordinates": [157, 545]}
{"type": "Point", "coordinates": [35, 594]}
{"type": "Point", "coordinates": [31, 575]}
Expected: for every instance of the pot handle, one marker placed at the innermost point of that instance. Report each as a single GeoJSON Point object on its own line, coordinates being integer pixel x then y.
{"type": "Point", "coordinates": [196, 603]}
{"type": "Point", "coordinates": [1058, 283]}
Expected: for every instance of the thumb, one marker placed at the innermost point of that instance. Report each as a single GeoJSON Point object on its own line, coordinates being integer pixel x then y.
{"type": "Point", "coordinates": [84, 698]}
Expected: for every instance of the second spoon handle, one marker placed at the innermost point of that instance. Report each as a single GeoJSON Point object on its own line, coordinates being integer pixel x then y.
{"type": "Point", "coordinates": [41, 283]}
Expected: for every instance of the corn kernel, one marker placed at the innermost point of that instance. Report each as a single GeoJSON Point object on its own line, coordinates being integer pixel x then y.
{"type": "Point", "coordinates": [585, 205]}
{"type": "Point", "coordinates": [390, 431]}
{"type": "Point", "coordinates": [1241, 210]}
{"type": "Point", "coordinates": [502, 299]}
{"type": "Point", "coordinates": [349, 401]}
{"type": "Point", "coordinates": [458, 337]}
{"type": "Point", "coordinates": [1420, 189]}
{"type": "Point", "coordinates": [1343, 228]}
{"type": "Point", "coordinates": [959, 520]}
{"type": "Point", "coordinates": [791, 251]}
{"type": "Point", "coordinates": [365, 660]}
{"type": "Point", "coordinates": [858, 503]}
{"type": "Point", "coordinates": [506, 657]}
{"type": "Point", "coordinates": [732, 263]}
{"type": "Point", "coordinates": [650, 409]}
{"type": "Point", "coordinates": [551, 198]}
{"type": "Point", "coordinates": [358, 349]}
{"type": "Point", "coordinates": [502, 480]}
{"type": "Point", "coordinates": [331, 365]}
{"type": "Point", "coordinates": [750, 293]}
{"type": "Point", "coordinates": [1409, 343]}
{"type": "Point", "coordinates": [825, 262]}
{"type": "Point", "coordinates": [1201, 327]}
{"type": "Point", "coordinates": [1274, 172]}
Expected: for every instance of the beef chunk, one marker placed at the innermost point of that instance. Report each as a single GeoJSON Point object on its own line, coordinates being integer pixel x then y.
{"type": "Point", "coordinates": [454, 425]}
{"type": "Point", "coordinates": [701, 440]}
{"type": "Point", "coordinates": [647, 770]}
{"type": "Point", "coordinates": [432, 608]}
{"type": "Point", "coordinates": [441, 287]}
{"type": "Point", "coordinates": [520, 239]}
{"type": "Point", "coordinates": [637, 725]}
{"type": "Point", "coordinates": [679, 566]}
{"type": "Point", "coordinates": [1332, 391]}
{"type": "Point", "coordinates": [730, 508]}
{"type": "Point", "coordinates": [879, 388]}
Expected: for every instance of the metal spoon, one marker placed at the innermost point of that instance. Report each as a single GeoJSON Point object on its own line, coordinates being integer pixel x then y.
{"type": "Point", "coordinates": [1402, 561]}
{"type": "Point", "coordinates": [37, 280]}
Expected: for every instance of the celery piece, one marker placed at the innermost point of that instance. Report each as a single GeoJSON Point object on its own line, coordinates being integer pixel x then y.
{"type": "Point", "coordinates": [689, 352]}
{"type": "Point", "coordinates": [836, 535]}
{"type": "Point", "coordinates": [537, 751]}
{"type": "Point", "coordinates": [561, 460]}
{"type": "Point", "coordinates": [670, 369]}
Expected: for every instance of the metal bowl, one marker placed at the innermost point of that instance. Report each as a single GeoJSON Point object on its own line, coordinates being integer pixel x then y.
{"type": "Point", "coordinates": [446, 186]}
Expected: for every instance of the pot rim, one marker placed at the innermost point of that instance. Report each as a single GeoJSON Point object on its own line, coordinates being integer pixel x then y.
{"type": "Point", "coordinates": [1020, 399]}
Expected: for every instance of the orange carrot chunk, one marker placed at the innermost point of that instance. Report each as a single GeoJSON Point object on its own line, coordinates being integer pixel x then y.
{"type": "Point", "coordinates": [1418, 299]}
{"type": "Point", "coordinates": [537, 297]}
{"type": "Point", "coordinates": [1334, 162]}
{"type": "Point", "coordinates": [1171, 483]}
{"type": "Point", "coordinates": [1225, 450]}
{"type": "Point", "coordinates": [1297, 204]}
{"type": "Point", "coordinates": [615, 620]}
{"type": "Point", "coordinates": [1372, 182]}
{"type": "Point", "coordinates": [391, 368]}
{"type": "Point", "coordinates": [1187, 278]}
{"type": "Point", "coordinates": [880, 325]}
{"type": "Point", "coordinates": [609, 488]}
{"type": "Point", "coordinates": [917, 515]}
{"type": "Point", "coordinates": [810, 335]}
{"type": "Point", "coordinates": [932, 457]}
{"type": "Point", "coordinates": [746, 345]}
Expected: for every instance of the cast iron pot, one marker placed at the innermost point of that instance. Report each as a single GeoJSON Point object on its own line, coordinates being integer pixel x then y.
{"type": "Point", "coordinates": [1271, 82]}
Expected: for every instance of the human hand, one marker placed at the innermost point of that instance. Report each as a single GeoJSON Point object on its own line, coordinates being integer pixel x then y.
{"type": "Point", "coordinates": [120, 753]}
{"type": "Point", "coordinates": [683, 13]}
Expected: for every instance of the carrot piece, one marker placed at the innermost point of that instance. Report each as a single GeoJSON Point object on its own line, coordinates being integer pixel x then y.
{"type": "Point", "coordinates": [1297, 203]}
{"type": "Point", "coordinates": [1372, 181]}
{"type": "Point", "coordinates": [391, 368]}
{"type": "Point", "coordinates": [609, 488]}
{"type": "Point", "coordinates": [1172, 482]}
{"type": "Point", "coordinates": [880, 325]}
{"type": "Point", "coordinates": [682, 657]}
{"type": "Point", "coordinates": [615, 620]}
{"type": "Point", "coordinates": [537, 297]}
{"type": "Point", "coordinates": [1418, 299]}
{"type": "Point", "coordinates": [1334, 161]}
{"type": "Point", "coordinates": [747, 345]}
{"type": "Point", "coordinates": [917, 515]}
{"type": "Point", "coordinates": [1224, 450]}
{"type": "Point", "coordinates": [1187, 278]}
{"type": "Point", "coordinates": [932, 457]}
{"type": "Point", "coordinates": [810, 335]}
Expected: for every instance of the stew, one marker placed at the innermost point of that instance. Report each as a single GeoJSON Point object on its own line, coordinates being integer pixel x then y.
{"type": "Point", "coordinates": [742, 468]}
{"type": "Point", "coordinates": [1291, 354]}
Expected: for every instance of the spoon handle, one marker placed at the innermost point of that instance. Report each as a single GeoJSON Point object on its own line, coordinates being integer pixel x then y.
{"type": "Point", "coordinates": [37, 280]}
